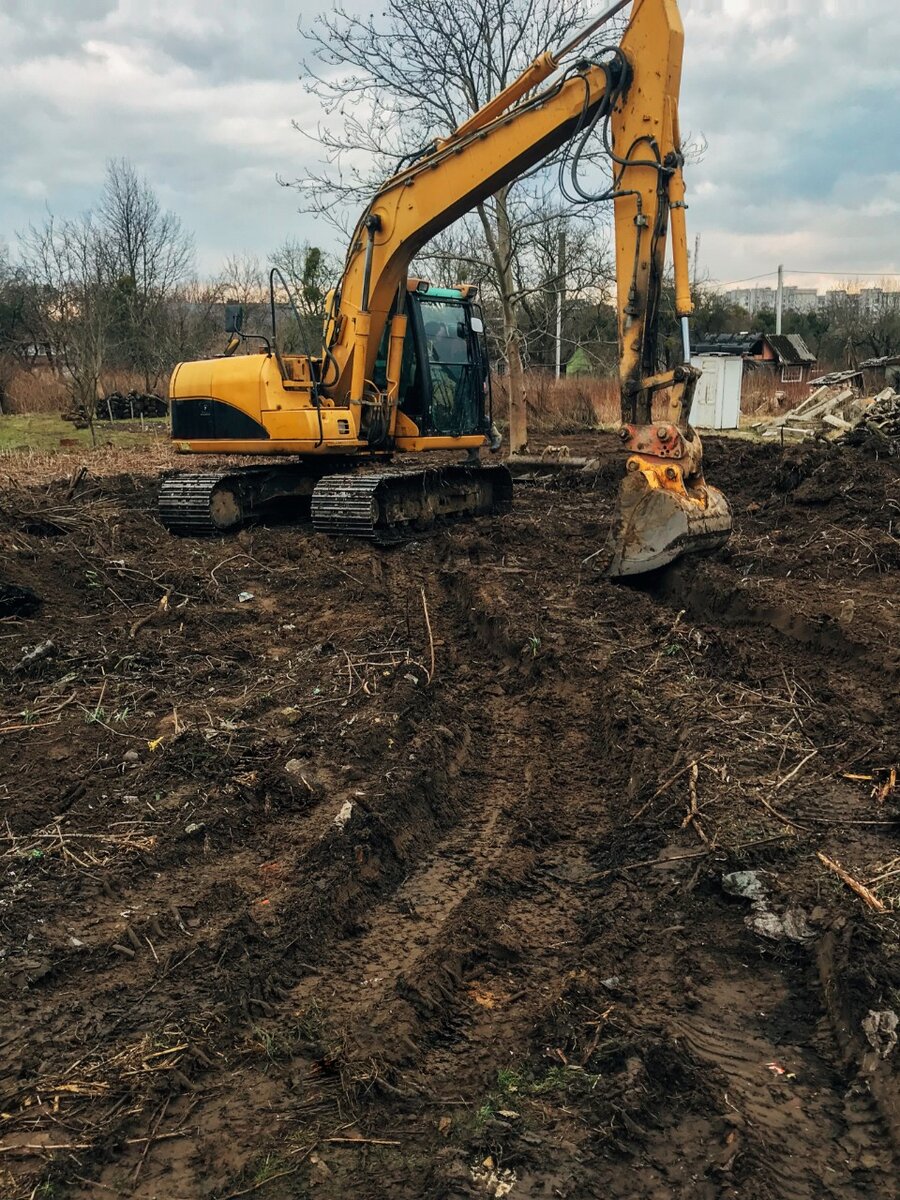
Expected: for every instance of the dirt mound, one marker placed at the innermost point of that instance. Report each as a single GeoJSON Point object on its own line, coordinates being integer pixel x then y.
{"type": "Point", "coordinates": [353, 872]}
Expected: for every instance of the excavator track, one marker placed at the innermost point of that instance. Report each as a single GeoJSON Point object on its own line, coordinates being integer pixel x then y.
{"type": "Point", "coordinates": [387, 506]}
{"type": "Point", "coordinates": [193, 505]}
{"type": "Point", "coordinates": [210, 502]}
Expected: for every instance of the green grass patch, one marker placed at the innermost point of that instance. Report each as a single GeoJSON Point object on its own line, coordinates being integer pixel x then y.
{"type": "Point", "coordinates": [46, 432]}
{"type": "Point", "coordinates": [515, 1086]}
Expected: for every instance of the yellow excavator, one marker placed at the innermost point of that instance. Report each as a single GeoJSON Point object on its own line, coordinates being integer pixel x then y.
{"type": "Point", "coordinates": [404, 366]}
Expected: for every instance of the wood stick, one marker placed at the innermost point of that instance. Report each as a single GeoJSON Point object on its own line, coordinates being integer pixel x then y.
{"type": "Point", "coordinates": [693, 810]}
{"type": "Point", "coordinates": [791, 774]}
{"type": "Point", "coordinates": [48, 1146]}
{"type": "Point", "coordinates": [854, 885]}
{"type": "Point", "coordinates": [262, 1183]}
{"type": "Point", "coordinates": [662, 788]}
{"type": "Point", "coordinates": [153, 1132]}
{"type": "Point", "coordinates": [781, 817]}
{"type": "Point", "coordinates": [363, 1141]}
{"type": "Point", "coordinates": [97, 1184]}
{"type": "Point", "coordinates": [664, 862]}
{"type": "Point", "coordinates": [430, 636]}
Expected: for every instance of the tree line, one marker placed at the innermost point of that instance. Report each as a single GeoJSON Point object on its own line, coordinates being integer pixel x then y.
{"type": "Point", "coordinates": [841, 333]}
{"type": "Point", "coordinates": [116, 288]}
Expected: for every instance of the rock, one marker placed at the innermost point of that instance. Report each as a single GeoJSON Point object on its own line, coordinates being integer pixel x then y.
{"type": "Point", "coordinates": [131, 756]}
{"type": "Point", "coordinates": [35, 655]}
{"type": "Point", "coordinates": [745, 884]}
{"type": "Point", "coordinates": [880, 1029]}
{"type": "Point", "coordinates": [344, 815]}
{"type": "Point", "coordinates": [790, 926]}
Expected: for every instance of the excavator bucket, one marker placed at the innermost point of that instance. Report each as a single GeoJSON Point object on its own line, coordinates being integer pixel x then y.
{"type": "Point", "coordinates": [658, 518]}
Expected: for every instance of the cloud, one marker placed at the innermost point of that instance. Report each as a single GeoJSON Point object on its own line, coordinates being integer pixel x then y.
{"type": "Point", "coordinates": [797, 101]}
{"type": "Point", "coordinates": [200, 98]}
{"type": "Point", "coordinates": [795, 98]}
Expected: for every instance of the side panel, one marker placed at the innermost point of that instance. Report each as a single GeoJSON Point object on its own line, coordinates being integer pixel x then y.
{"type": "Point", "coordinates": [219, 403]}
{"type": "Point", "coordinates": [203, 417]}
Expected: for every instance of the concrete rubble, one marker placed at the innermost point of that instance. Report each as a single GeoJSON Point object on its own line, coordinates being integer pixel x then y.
{"type": "Point", "coordinates": [837, 412]}
{"type": "Point", "coordinates": [878, 428]}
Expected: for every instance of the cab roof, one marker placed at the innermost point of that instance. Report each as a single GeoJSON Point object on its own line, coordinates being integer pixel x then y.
{"type": "Point", "coordinates": [425, 288]}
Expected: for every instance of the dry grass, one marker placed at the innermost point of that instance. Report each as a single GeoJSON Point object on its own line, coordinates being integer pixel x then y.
{"type": "Point", "coordinates": [42, 391]}
{"type": "Point", "coordinates": [763, 394]}
{"type": "Point", "coordinates": [562, 405]}
{"type": "Point", "coordinates": [25, 468]}
{"type": "Point", "coordinates": [37, 391]}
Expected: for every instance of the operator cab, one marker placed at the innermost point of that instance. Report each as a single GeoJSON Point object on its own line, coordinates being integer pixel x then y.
{"type": "Point", "coordinates": [444, 376]}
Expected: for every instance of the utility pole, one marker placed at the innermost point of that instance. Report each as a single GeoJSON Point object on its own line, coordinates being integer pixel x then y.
{"type": "Point", "coordinates": [560, 290]}
{"type": "Point", "coordinates": [779, 299]}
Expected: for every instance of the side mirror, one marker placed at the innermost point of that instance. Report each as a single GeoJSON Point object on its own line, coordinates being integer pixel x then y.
{"type": "Point", "coordinates": [477, 324]}
{"type": "Point", "coordinates": [234, 318]}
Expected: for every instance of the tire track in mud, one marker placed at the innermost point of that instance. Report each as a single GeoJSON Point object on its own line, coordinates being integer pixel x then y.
{"type": "Point", "coordinates": [431, 975]}
{"type": "Point", "coordinates": [788, 1117]}
{"type": "Point", "coordinates": [243, 968]}
{"type": "Point", "coordinates": [790, 1128]}
{"type": "Point", "coordinates": [396, 985]}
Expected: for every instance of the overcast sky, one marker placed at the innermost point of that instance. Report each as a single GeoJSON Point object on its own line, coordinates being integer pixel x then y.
{"type": "Point", "coordinates": [797, 99]}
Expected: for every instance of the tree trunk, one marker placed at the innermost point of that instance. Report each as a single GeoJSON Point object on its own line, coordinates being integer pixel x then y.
{"type": "Point", "coordinates": [518, 419]}
{"type": "Point", "coordinates": [500, 245]}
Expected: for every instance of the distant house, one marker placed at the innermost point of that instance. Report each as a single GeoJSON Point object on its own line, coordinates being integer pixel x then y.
{"type": "Point", "coordinates": [579, 363]}
{"type": "Point", "coordinates": [785, 354]}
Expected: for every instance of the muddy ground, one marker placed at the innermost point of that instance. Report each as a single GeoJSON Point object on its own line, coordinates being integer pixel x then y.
{"type": "Point", "coordinates": [413, 874]}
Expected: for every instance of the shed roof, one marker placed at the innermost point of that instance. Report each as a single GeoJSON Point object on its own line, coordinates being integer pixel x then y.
{"type": "Point", "coordinates": [727, 343]}
{"type": "Point", "coordinates": [790, 348]}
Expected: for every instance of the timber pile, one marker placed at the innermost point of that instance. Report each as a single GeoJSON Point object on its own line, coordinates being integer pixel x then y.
{"type": "Point", "coordinates": [126, 406]}
{"type": "Point", "coordinates": [879, 427]}
{"type": "Point", "coordinates": [829, 412]}
{"type": "Point", "coordinates": [119, 406]}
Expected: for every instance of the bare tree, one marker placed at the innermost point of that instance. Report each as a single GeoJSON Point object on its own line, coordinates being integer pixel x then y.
{"type": "Point", "coordinates": [462, 253]}
{"type": "Point", "coordinates": [150, 254]}
{"type": "Point", "coordinates": [309, 273]}
{"type": "Point", "coordinates": [195, 320]}
{"type": "Point", "coordinates": [390, 86]}
{"type": "Point", "coordinates": [243, 279]}
{"type": "Point", "coordinates": [70, 265]}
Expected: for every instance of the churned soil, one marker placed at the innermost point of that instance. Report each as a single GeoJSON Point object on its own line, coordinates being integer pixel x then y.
{"type": "Point", "coordinates": [453, 869]}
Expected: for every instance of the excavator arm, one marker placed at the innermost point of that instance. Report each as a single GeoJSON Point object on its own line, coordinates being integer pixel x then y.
{"type": "Point", "coordinates": [664, 505]}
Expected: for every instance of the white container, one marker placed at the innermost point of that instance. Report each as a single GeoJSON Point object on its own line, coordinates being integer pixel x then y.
{"type": "Point", "coordinates": [717, 400]}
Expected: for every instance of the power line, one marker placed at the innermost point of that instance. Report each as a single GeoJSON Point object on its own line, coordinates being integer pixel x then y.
{"type": "Point", "coordinates": [837, 274]}
{"type": "Point", "coordinates": [847, 274]}
{"type": "Point", "coordinates": [749, 279]}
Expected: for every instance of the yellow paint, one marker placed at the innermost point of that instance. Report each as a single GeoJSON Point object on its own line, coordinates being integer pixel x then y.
{"type": "Point", "coordinates": [410, 444]}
